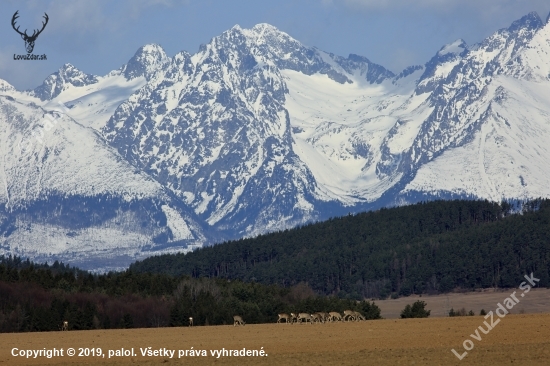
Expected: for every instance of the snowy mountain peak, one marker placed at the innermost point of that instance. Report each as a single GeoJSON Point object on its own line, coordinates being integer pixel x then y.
{"type": "Point", "coordinates": [457, 47]}
{"type": "Point", "coordinates": [145, 62]}
{"type": "Point", "coordinates": [265, 33]}
{"type": "Point", "coordinates": [66, 77]}
{"type": "Point", "coordinates": [262, 36]}
{"type": "Point", "coordinates": [269, 45]}
{"type": "Point", "coordinates": [527, 63]}
{"type": "Point", "coordinates": [531, 21]}
{"type": "Point", "coordinates": [373, 73]}
{"type": "Point", "coordinates": [5, 86]}
{"type": "Point", "coordinates": [263, 27]}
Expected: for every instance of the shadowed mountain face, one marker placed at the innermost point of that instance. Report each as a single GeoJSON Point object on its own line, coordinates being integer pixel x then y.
{"type": "Point", "coordinates": [257, 132]}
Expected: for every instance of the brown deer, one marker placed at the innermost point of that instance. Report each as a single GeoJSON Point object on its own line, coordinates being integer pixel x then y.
{"type": "Point", "coordinates": [335, 316]}
{"type": "Point", "coordinates": [238, 320]}
{"type": "Point", "coordinates": [284, 316]}
{"type": "Point", "coordinates": [304, 317]}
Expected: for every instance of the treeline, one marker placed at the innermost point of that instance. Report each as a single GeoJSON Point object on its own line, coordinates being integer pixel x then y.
{"type": "Point", "coordinates": [432, 247]}
{"type": "Point", "coordinates": [41, 297]}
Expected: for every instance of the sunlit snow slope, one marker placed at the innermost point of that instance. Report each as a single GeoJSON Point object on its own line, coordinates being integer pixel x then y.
{"type": "Point", "coordinates": [65, 193]}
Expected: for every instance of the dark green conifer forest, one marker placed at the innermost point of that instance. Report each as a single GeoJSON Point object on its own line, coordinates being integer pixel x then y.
{"type": "Point", "coordinates": [432, 247]}
{"type": "Point", "coordinates": [40, 297]}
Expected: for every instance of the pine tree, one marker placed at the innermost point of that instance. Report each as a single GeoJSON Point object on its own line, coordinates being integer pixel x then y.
{"type": "Point", "coordinates": [417, 310]}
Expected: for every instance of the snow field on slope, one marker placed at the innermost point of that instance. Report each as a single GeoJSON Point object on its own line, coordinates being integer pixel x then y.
{"type": "Point", "coordinates": [453, 47]}
{"type": "Point", "coordinates": [508, 157]}
{"type": "Point", "coordinates": [91, 244]}
{"type": "Point", "coordinates": [329, 118]}
{"type": "Point", "coordinates": [177, 225]}
{"type": "Point", "coordinates": [54, 240]}
{"type": "Point", "coordinates": [93, 105]}
{"type": "Point", "coordinates": [68, 158]}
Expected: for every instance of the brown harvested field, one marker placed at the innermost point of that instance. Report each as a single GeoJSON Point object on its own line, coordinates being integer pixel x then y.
{"type": "Point", "coordinates": [536, 301]}
{"type": "Point", "coordinates": [518, 339]}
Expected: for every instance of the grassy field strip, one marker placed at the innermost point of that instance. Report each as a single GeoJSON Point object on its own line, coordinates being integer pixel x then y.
{"type": "Point", "coordinates": [524, 339]}
{"type": "Point", "coordinates": [536, 301]}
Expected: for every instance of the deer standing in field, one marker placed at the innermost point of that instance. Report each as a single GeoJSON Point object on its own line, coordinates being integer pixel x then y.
{"type": "Point", "coordinates": [304, 317]}
{"type": "Point", "coordinates": [334, 316]}
{"type": "Point", "coordinates": [349, 314]}
{"type": "Point", "coordinates": [65, 325]}
{"type": "Point", "coordinates": [284, 316]}
{"type": "Point", "coordinates": [237, 320]}
{"type": "Point", "coordinates": [190, 321]}
{"type": "Point", "coordinates": [317, 317]}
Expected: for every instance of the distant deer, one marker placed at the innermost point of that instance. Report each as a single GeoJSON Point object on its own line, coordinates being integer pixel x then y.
{"type": "Point", "coordinates": [190, 321]}
{"type": "Point", "coordinates": [304, 317]}
{"type": "Point", "coordinates": [334, 316]}
{"type": "Point", "coordinates": [321, 316]}
{"type": "Point", "coordinates": [237, 320]}
{"type": "Point", "coordinates": [316, 318]}
{"type": "Point", "coordinates": [349, 315]}
{"type": "Point", "coordinates": [65, 325]}
{"type": "Point", "coordinates": [284, 316]}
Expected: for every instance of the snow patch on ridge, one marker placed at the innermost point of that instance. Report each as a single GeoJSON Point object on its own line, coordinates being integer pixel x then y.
{"type": "Point", "coordinates": [177, 225]}
{"type": "Point", "coordinates": [455, 47]}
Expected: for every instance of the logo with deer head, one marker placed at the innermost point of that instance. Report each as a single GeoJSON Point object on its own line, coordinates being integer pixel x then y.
{"type": "Point", "coordinates": [29, 40]}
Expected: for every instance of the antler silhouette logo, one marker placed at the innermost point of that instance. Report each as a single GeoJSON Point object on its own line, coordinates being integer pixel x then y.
{"type": "Point", "coordinates": [29, 40]}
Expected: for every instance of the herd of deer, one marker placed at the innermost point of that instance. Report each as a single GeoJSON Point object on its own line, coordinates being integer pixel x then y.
{"type": "Point", "coordinates": [319, 317]}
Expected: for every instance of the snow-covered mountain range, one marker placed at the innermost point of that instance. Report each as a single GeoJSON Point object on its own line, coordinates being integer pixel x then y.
{"type": "Point", "coordinates": [257, 132]}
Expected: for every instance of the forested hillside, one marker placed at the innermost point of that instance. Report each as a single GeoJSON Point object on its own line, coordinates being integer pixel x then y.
{"type": "Point", "coordinates": [429, 247]}
{"type": "Point", "coordinates": [40, 297]}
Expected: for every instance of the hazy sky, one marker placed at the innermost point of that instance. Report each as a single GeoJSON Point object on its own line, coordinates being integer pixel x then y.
{"type": "Point", "coordinates": [100, 36]}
